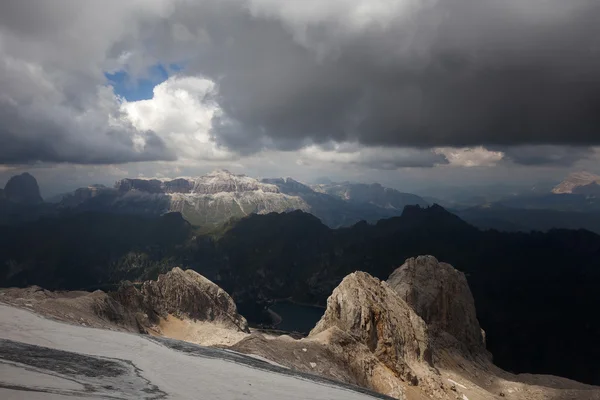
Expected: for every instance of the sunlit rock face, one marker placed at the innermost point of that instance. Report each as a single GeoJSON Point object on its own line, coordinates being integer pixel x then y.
{"type": "Point", "coordinates": [184, 294]}
{"type": "Point", "coordinates": [440, 295]}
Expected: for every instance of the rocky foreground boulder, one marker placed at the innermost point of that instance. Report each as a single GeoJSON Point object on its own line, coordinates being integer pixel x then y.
{"type": "Point", "coordinates": [183, 294]}
{"type": "Point", "coordinates": [372, 313]}
{"type": "Point", "coordinates": [179, 294]}
{"type": "Point", "coordinates": [96, 309]}
{"type": "Point", "coordinates": [440, 295]}
{"type": "Point", "coordinates": [401, 338]}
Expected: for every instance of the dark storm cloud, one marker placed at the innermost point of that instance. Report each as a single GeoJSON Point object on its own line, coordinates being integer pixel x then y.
{"type": "Point", "coordinates": [403, 73]}
{"type": "Point", "coordinates": [27, 138]}
{"type": "Point", "coordinates": [373, 157]}
{"type": "Point", "coordinates": [546, 155]}
{"type": "Point", "coordinates": [54, 105]}
{"type": "Point", "coordinates": [416, 160]}
{"type": "Point", "coordinates": [458, 73]}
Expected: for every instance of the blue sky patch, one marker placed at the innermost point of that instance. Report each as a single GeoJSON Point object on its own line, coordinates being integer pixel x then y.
{"type": "Point", "coordinates": [140, 89]}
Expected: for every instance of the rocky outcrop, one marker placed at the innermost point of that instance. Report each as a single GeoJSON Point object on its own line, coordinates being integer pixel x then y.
{"type": "Point", "coordinates": [332, 353]}
{"type": "Point", "coordinates": [440, 295]}
{"type": "Point", "coordinates": [23, 189]}
{"type": "Point", "coordinates": [96, 309]}
{"type": "Point", "coordinates": [372, 313]}
{"type": "Point", "coordinates": [184, 294]}
{"type": "Point", "coordinates": [369, 336]}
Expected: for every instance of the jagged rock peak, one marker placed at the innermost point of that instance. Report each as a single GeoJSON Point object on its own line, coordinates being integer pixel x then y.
{"type": "Point", "coordinates": [440, 295]}
{"type": "Point", "coordinates": [218, 181]}
{"type": "Point", "coordinates": [373, 313]}
{"type": "Point", "coordinates": [23, 189]}
{"type": "Point", "coordinates": [224, 181]}
{"type": "Point", "coordinates": [434, 214]}
{"type": "Point", "coordinates": [185, 294]}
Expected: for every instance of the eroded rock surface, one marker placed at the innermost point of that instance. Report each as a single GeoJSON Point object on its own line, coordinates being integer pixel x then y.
{"type": "Point", "coordinates": [440, 295]}
{"type": "Point", "coordinates": [96, 309]}
{"type": "Point", "coordinates": [185, 294]}
{"type": "Point", "coordinates": [332, 353]}
{"type": "Point", "coordinates": [373, 314]}
{"type": "Point", "coordinates": [401, 339]}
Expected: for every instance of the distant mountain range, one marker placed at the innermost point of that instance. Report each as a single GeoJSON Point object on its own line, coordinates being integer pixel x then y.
{"type": "Point", "coordinates": [508, 219]}
{"type": "Point", "coordinates": [572, 204]}
{"type": "Point", "coordinates": [213, 199]}
{"type": "Point", "coordinates": [360, 193]}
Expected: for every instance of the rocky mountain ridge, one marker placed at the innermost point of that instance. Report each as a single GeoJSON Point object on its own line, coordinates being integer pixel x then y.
{"type": "Point", "coordinates": [524, 285]}
{"type": "Point", "coordinates": [212, 200]}
{"type": "Point", "coordinates": [374, 315]}
{"type": "Point", "coordinates": [369, 335]}
{"type": "Point", "coordinates": [217, 181]}
{"type": "Point", "coordinates": [215, 198]}
{"type": "Point", "coordinates": [440, 295]}
{"type": "Point", "coordinates": [184, 295]}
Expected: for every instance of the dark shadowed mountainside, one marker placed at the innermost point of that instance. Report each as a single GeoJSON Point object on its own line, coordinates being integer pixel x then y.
{"type": "Point", "coordinates": [536, 293]}
{"type": "Point", "coordinates": [22, 189]}
{"type": "Point", "coordinates": [516, 219]}
{"type": "Point", "coordinates": [375, 194]}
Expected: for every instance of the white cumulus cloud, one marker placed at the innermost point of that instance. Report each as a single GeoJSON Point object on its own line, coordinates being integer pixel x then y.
{"type": "Point", "coordinates": [470, 156]}
{"type": "Point", "coordinates": [181, 113]}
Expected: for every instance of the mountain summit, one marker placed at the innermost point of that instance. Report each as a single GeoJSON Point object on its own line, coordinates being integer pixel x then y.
{"type": "Point", "coordinates": [575, 182]}
{"type": "Point", "coordinates": [23, 189]}
{"type": "Point", "coordinates": [218, 181]}
{"type": "Point", "coordinates": [440, 295]}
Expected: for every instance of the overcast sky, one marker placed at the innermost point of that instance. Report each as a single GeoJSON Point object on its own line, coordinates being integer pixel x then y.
{"type": "Point", "coordinates": [407, 92]}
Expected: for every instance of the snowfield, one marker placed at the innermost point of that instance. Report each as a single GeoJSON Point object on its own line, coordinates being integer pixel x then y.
{"type": "Point", "coordinates": [44, 359]}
